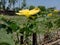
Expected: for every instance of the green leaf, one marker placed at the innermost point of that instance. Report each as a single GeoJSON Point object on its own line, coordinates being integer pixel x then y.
{"type": "Point", "coordinates": [49, 24]}
{"type": "Point", "coordinates": [13, 26]}
{"type": "Point", "coordinates": [2, 26]}
{"type": "Point", "coordinates": [57, 22]}
{"type": "Point", "coordinates": [3, 43]}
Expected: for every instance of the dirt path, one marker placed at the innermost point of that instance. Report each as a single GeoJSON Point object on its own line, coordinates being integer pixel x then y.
{"type": "Point", "coordinates": [57, 41]}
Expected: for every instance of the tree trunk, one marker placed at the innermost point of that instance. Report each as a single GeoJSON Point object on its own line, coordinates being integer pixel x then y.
{"type": "Point", "coordinates": [34, 39]}
{"type": "Point", "coordinates": [13, 6]}
{"type": "Point", "coordinates": [21, 38]}
{"type": "Point", "coordinates": [3, 7]}
{"type": "Point", "coordinates": [3, 2]}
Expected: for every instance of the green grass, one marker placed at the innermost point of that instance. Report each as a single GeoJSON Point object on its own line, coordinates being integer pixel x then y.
{"type": "Point", "coordinates": [5, 38]}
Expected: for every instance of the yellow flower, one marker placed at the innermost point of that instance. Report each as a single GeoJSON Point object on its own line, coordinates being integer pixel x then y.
{"type": "Point", "coordinates": [24, 12]}
{"type": "Point", "coordinates": [56, 10]}
{"type": "Point", "coordinates": [50, 14]}
{"type": "Point", "coordinates": [34, 11]}
{"type": "Point", "coordinates": [28, 13]}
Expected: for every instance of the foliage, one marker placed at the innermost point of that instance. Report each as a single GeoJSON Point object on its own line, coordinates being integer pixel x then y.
{"type": "Point", "coordinates": [46, 20]}
{"type": "Point", "coordinates": [4, 44]}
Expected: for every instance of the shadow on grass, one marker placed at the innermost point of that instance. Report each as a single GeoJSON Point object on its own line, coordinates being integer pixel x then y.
{"type": "Point", "coordinates": [3, 43]}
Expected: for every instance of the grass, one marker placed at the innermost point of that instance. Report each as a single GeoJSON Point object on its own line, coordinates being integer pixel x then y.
{"type": "Point", "coordinates": [5, 38]}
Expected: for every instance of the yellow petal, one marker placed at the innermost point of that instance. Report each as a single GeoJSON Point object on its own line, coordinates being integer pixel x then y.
{"type": "Point", "coordinates": [28, 13]}
{"type": "Point", "coordinates": [18, 13]}
{"type": "Point", "coordinates": [50, 14]}
{"type": "Point", "coordinates": [24, 12]}
{"type": "Point", "coordinates": [56, 10]}
{"type": "Point", "coordinates": [34, 11]}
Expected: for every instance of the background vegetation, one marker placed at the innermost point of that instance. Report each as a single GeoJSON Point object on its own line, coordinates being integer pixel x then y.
{"type": "Point", "coordinates": [40, 28]}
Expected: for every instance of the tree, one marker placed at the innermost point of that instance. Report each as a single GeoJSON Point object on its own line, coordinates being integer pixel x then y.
{"type": "Point", "coordinates": [43, 8]}
{"type": "Point", "coordinates": [12, 2]}
{"type": "Point", "coordinates": [31, 7]}
{"type": "Point", "coordinates": [51, 9]}
{"type": "Point", "coordinates": [23, 4]}
{"type": "Point", "coordinates": [2, 3]}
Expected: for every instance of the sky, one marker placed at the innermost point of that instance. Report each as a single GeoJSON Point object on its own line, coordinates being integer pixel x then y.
{"type": "Point", "coordinates": [46, 3]}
